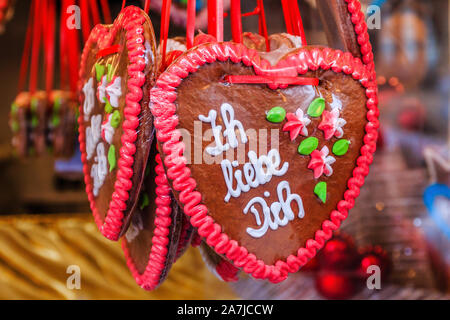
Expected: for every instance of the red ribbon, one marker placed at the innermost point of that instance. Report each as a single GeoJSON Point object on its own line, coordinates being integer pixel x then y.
{"type": "Point", "coordinates": [108, 51]}
{"type": "Point", "coordinates": [251, 79]}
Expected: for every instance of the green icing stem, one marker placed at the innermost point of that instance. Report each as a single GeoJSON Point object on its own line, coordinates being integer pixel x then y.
{"type": "Point", "coordinates": [321, 191]}
{"type": "Point", "coordinates": [115, 119]}
{"type": "Point", "coordinates": [145, 201]}
{"type": "Point", "coordinates": [99, 71]}
{"type": "Point", "coordinates": [108, 107]}
{"type": "Point", "coordinates": [110, 73]}
{"type": "Point", "coordinates": [112, 158]}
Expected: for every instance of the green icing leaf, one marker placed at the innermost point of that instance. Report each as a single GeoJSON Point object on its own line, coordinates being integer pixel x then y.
{"type": "Point", "coordinates": [34, 122]}
{"type": "Point", "coordinates": [112, 158]}
{"type": "Point", "coordinates": [145, 201]}
{"type": "Point", "coordinates": [115, 119]}
{"type": "Point", "coordinates": [110, 73]}
{"type": "Point", "coordinates": [56, 120]}
{"type": "Point", "coordinates": [321, 191]}
{"type": "Point", "coordinates": [147, 171]}
{"type": "Point", "coordinates": [15, 126]}
{"type": "Point", "coordinates": [108, 107]}
{"type": "Point", "coordinates": [14, 108]}
{"type": "Point", "coordinates": [341, 147]}
{"type": "Point", "coordinates": [308, 145]}
{"type": "Point", "coordinates": [316, 107]}
{"type": "Point", "coordinates": [276, 115]}
{"type": "Point", "coordinates": [57, 104]}
{"type": "Point", "coordinates": [99, 71]}
{"type": "Point", "coordinates": [33, 104]}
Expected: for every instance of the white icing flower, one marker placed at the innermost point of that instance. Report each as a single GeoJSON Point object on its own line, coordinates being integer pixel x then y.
{"type": "Point", "coordinates": [101, 90]}
{"type": "Point", "coordinates": [99, 169]}
{"type": "Point", "coordinates": [114, 91]}
{"type": "Point", "coordinates": [93, 135]}
{"type": "Point", "coordinates": [304, 119]}
{"type": "Point", "coordinates": [89, 97]}
{"type": "Point", "coordinates": [327, 160]}
{"type": "Point", "coordinates": [107, 129]}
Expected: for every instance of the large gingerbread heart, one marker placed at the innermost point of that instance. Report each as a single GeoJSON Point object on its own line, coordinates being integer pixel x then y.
{"type": "Point", "coordinates": [117, 70]}
{"type": "Point", "coordinates": [264, 188]}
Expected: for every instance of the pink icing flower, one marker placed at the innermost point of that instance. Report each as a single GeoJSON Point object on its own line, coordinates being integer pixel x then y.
{"type": "Point", "coordinates": [107, 129]}
{"type": "Point", "coordinates": [296, 124]}
{"type": "Point", "coordinates": [321, 162]}
{"type": "Point", "coordinates": [114, 91]}
{"type": "Point", "coordinates": [331, 124]}
{"type": "Point", "coordinates": [101, 90]}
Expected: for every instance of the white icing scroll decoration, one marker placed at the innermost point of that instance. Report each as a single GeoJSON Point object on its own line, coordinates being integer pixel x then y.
{"type": "Point", "coordinates": [93, 135]}
{"type": "Point", "coordinates": [254, 172]}
{"type": "Point", "coordinates": [107, 129]}
{"type": "Point", "coordinates": [258, 171]}
{"type": "Point", "coordinates": [99, 169]}
{"type": "Point", "coordinates": [89, 98]}
{"type": "Point", "coordinates": [271, 215]}
{"type": "Point", "coordinates": [229, 134]}
{"type": "Point", "coordinates": [114, 91]}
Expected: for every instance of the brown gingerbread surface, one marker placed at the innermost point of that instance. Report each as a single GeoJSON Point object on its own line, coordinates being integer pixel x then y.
{"type": "Point", "coordinates": [205, 90]}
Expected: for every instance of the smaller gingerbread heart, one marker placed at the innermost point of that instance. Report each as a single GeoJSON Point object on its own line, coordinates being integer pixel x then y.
{"type": "Point", "coordinates": [151, 242]}
{"type": "Point", "coordinates": [118, 68]}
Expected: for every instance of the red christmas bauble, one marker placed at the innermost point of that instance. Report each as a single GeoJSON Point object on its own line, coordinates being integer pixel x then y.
{"type": "Point", "coordinates": [334, 285]}
{"type": "Point", "coordinates": [339, 254]}
{"type": "Point", "coordinates": [311, 265]}
{"type": "Point", "coordinates": [374, 256]}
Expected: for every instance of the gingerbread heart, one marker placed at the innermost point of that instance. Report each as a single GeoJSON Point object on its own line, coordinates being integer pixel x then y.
{"type": "Point", "coordinates": [266, 174]}
{"type": "Point", "coordinates": [151, 243]}
{"type": "Point", "coordinates": [117, 70]}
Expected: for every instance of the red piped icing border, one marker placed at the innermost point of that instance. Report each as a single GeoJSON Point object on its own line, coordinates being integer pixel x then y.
{"type": "Point", "coordinates": [164, 94]}
{"type": "Point", "coordinates": [151, 277]}
{"type": "Point", "coordinates": [132, 20]}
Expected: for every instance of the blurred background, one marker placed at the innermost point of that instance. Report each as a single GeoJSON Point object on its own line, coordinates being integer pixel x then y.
{"type": "Point", "coordinates": [44, 217]}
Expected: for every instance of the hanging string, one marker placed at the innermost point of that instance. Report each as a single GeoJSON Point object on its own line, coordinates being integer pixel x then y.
{"type": "Point", "coordinates": [26, 49]}
{"type": "Point", "coordinates": [147, 6]}
{"type": "Point", "coordinates": [190, 23]}
{"type": "Point", "coordinates": [63, 64]}
{"type": "Point", "coordinates": [72, 48]}
{"type": "Point", "coordinates": [215, 19]}
{"type": "Point", "coordinates": [37, 31]}
{"type": "Point", "coordinates": [236, 21]}
{"type": "Point", "coordinates": [50, 45]}
{"type": "Point", "coordinates": [95, 12]}
{"type": "Point", "coordinates": [165, 21]}
{"type": "Point", "coordinates": [105, 11]}
{"type": "Point", "coordinates": [293, 19]}
{"type": "Point", "coordinates": [287, 16]}
{"type": "Point", "coordinates": [85, 19]}
{"type": "Point", "coordinates": [297, 22]}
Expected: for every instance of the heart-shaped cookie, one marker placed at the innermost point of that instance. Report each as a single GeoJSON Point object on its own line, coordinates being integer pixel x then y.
{"type": "Point", "coordinates": [117, 70]}
{"type": "Point", "coordinates": [152, 240]}
{"type": "Point", "coordinates": [266, 174]}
